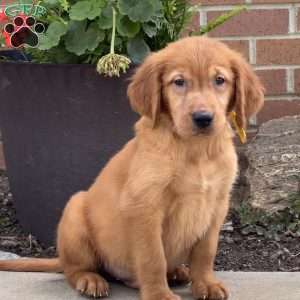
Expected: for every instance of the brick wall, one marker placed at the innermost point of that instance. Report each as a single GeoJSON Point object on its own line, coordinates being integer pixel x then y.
{"type": "Point", "coordinates": [268, 35]}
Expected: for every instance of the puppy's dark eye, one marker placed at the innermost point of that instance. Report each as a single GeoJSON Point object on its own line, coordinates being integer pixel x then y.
{"type": "Point", "coordinates": [180, 82]}
{"type": "Point", "coordinates": [219, 80]}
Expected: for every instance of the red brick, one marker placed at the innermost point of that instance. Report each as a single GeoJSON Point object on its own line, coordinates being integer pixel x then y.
{"type": "Point", "coordinates": [274, 81]}
{"type": "Point", "coordinates": [281, 51]}
{"type": "Point", "coordinates": [274, 109]}
{"type": "Point", "coordinates": [297, 81]}
{"type": "Point", "coordinates": [253, 23]}
{"type": "Point", "coordinates": [241, 46]}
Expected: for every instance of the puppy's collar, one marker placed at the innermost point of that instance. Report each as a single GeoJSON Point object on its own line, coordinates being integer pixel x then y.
{"type": "Point", "coordinates": [240, 130]}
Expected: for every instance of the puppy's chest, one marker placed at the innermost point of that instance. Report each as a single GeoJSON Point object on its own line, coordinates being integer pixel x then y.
{"type": "Point", "coordinates": [187, 221]}
{"type": "Point", "coordinates": [191, 206]}
{"type": "Point", "coordinates": [192, 179]}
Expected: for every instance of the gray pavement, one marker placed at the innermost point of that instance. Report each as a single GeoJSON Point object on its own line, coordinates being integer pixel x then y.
{"type": "Point", "coordinates": [243, 286]}
{"type": "Point", "coordinates": [8, 255]}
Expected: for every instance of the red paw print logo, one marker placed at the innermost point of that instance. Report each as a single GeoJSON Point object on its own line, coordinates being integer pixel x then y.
{"type": "Point", "coordinates": [23, 31]}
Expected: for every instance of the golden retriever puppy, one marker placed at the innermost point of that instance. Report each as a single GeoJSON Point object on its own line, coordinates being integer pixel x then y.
{"type": "Point", "coordinates": [160, 202]}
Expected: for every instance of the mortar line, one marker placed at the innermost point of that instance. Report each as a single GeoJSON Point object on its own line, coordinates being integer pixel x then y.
{"type": "Point", "coordinates": [252, 51]}
{"type": "Point", "coordinates": [283, 98]}
{"type": "Point", "coordinates": [297, 12]}
{"type": "Point", "coordinates": [203, 18]}
{"type": "Point", "coordinates": [290, 80]}
{"type": "Point", "coordinates": [292, 20]}
{"type": "Point", "coordinates": [265, 37]}
{"type": "Point", "coordinates": [276, 67]}
{"type": "Point", "coordinates": [251, 7]}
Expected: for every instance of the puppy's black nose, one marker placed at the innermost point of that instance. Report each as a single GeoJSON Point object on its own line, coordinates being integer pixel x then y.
{"type": "Point", "coordinates": [202, 119]}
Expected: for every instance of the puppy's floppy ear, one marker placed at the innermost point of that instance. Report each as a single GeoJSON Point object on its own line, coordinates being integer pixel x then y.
{"type": "Point", "coordinates": [145, 90]}
{"type": "Point", "coordinates": [248, 97]}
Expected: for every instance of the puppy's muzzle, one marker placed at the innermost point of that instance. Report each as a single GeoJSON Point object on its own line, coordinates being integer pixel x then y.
{"type": "Point", "coordinates": [202, 119]}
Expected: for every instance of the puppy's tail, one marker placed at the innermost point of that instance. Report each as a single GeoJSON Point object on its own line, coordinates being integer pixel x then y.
{"type": "Point", "coordinates": [32, 265]}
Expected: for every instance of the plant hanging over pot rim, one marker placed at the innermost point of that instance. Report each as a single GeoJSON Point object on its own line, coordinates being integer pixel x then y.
{"type": "Point", "coordinates": [111, 64]}
{"type": "Point", "coordinates": [84, 31]}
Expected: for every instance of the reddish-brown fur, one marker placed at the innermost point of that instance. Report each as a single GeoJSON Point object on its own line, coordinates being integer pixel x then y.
{"type": "Point", "coordinates": [160, 202]}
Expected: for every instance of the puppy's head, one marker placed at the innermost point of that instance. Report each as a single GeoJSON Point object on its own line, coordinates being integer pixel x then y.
{"type": "Point", "coordinates": [196, 82]}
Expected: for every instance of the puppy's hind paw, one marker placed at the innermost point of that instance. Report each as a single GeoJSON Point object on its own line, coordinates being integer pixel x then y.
{"type": "Point", "coordinates": [180, 276]}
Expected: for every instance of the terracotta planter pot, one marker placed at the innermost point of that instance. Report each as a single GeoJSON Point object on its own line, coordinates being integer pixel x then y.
{"type": "Point", "coordinates": [60, 124]}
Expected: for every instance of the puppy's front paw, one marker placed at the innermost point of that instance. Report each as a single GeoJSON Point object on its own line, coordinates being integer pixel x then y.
{"type": "Point", "coordinates": [209, 290]}
{"type": "Point", "coordinates": [168, 295]}
{"type": "Point", "coordinates": [92, 285]}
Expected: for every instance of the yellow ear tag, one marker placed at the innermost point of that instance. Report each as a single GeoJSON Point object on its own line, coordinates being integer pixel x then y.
{"type": "Point", "coordinates": [240, 131]}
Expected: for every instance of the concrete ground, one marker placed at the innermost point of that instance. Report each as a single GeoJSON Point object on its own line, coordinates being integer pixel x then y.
{"type": "Point", "coordinates": [243, 286]}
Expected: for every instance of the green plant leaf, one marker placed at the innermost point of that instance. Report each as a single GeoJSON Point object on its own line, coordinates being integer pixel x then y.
{"type": "Point", "coordinates": [94, 35]}
{"type": "Point", "coordinates": [96, 8]}
{"type": "Point", "coordinates": [141, 25]}
{"type": "Point", "coordinates": [52, 36]}
{"type": "Point", "coordinates": [150, 29]}
{"type": "Point", "coordinates": [105, 19]}
{"type": "Point", "coordinates": [50, 3]}
{"type": "Point", "coordinates": [126, 27]}
{"type": "Point", "coordinates": [118, 39]}
{"type": "Point", "coordinates": [80, 10]}
{"type": "Point", "coordinates": [138, 10]}
{"type": "Point", "coordinates": [65, 4]}
{"type": "Point", "coordinates": [81, 38]}
{"type": "Point", "coordinates": [137, 49]}
{"type": "Point", "coordinates": [57, 55]}
{"type": "Point", "coordinates": [87, 9]}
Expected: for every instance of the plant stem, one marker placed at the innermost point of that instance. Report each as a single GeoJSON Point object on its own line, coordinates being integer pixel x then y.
{"type": "Point", "coordinates": [219, 20]}
{"type": "Point", "coordinates": [113, 36]}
